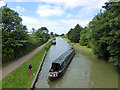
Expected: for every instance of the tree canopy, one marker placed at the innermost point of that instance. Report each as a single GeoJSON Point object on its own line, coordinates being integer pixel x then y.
{"type": "Point", "coordinates": [102, 34]}
{"type": "Point", "coordinates": [74, 34]}
{"type": "Point", "coordinates": [14, 34]}
{"type": "Point", "coordinates": [16, 41]}
{"type": "Point", "coordinates": [105, 30]}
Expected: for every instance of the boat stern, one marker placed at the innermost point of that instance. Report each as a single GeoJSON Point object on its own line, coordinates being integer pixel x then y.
{"type": "Point", "coordinates": [53, 75]}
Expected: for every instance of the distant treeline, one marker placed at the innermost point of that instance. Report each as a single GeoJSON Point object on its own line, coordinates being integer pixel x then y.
{"type": "Point", "coordinates": [102, 34]}
{"type": "Point", "coordinates": [16, 41]}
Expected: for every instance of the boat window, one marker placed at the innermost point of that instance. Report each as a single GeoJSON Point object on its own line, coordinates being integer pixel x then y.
{"type": "Point", "coordinates": [60, 67]}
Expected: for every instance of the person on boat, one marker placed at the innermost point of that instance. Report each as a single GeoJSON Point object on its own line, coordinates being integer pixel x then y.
{"type": "Point", "coordinates": [30, 68]}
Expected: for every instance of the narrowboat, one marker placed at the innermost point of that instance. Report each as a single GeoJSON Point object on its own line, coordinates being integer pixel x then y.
{"type": "Point", "coordinates": [60, 64]}
{"type": "Point", "coordinates": [54, 39]}
{"type": "Point", "coordinates": [53, 42]}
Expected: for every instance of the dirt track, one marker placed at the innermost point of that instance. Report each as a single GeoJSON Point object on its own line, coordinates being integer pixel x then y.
{"type": "Point", "coordinates": [13, 65]}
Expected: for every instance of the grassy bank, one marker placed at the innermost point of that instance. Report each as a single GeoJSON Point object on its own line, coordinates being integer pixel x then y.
{"type": "Point", "coordinates": [81, 49]}
{"type": "Point", "coordinates": [20, 77]}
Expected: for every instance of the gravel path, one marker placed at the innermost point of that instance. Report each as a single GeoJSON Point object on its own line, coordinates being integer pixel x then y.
{"type": "Point", "coordinates": [11, 66]}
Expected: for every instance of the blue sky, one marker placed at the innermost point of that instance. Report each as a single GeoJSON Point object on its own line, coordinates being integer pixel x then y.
{"type": "Point", "coordinates": [58, 16]}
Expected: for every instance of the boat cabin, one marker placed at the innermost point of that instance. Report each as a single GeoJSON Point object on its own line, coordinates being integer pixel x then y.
{"type": "Point", "coordinates": [53, 42]}
{"type": "Point", "coordinates": [60, 62]}
{"type": "Point", "coordinates": [59, 65]}
{"type": "Point", "coordinates": [55, 67]}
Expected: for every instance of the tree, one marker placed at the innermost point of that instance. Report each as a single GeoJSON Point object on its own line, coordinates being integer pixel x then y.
{"type": "Point", "coordinates": [74, 34]}
{"type": "Point", "coordinates": [42, 34]}
{"type": "Point", "coordinates": [56, 34]}
{"type": "Point", "coordinates": [14, 34]}
{"type": "Point", "coordinates": [105, 31]}
{"type": "Point", "coordinates": [44, 29]}
{"type": "Point", "coordinates": [51, 33]}
{"type": "Point", "coordinates": [33, 30]}
{"type": "Point", "coordinates": [83, 37]}
{"type": "Point", "coordinates": [62, 35]}
{"type": "Point", "coordinates": [16, 41]}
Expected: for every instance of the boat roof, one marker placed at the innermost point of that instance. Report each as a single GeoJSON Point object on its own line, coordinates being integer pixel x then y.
{"type": "Point", "coordinates": [61, 58]}
{"type": "Point", "coordinates": [54, 41]}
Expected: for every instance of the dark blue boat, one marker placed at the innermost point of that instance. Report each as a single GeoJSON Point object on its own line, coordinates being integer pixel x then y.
{"type": "Point", "coordinates": [60, 64]}
{"type": "Point", "coordinates": [53, 42]}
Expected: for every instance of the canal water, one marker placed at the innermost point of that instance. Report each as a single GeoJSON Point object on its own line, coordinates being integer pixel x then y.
{"type": "Point", "coordinates": [84, 71]}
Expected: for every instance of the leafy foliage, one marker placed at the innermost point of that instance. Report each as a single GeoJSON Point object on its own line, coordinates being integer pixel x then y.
{"type": "Point", "coordinates": [56, 35]}
{"type": "Point", "coordinates": [61, 35]}
{"type": "Point", "coordinates": [42, 34]}
{"type": "Point", "coordinates": [74, 34]}
{"type": "Point", "coordinates": [14, 34]}
{"type": "Point", "coordinates": [104, 34]}
{"type": "Point", "coordinates": [83, 38]}
{"type": "Point", "coordinates": [64, 36]}
{"type": "Point", "coordinates": [15, 39]}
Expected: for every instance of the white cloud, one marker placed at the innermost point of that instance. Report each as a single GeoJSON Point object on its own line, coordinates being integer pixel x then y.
{"type": "Point", "coordinates": [59, 27]}
{"type": "Point", "coordinates": [67, 3]}
{"type": "Point", "coordinates": [72, 22]}
{"type": "Point", "coordinates": [69, 15]}
{"type": "Point", "coordinates": [75, 3]}
{"type": "Point", "coordinates": [29, 20]}
{"type": "Point", "coordinates": [56, 10]}
{"type": "Point", "coordinates": [88, 7]}
{"type": "Point", "coordinates": [2, 3]}
{"type": "Point", "coordinates": [53, 26]}
{"type": "Point", "coordinates": [85, 12]}
{"type": "Point", "coordinates": [48, 10]}
{"type": "Point", "coordinates": [59, 8]}
{"type": "Point", "coordinates": [19, 9]}
{"type": "Point", "coordinates": [18, 0]}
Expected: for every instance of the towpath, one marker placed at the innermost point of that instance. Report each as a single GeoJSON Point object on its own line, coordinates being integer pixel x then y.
{"type": "Point", "coordinates": [13, 65]}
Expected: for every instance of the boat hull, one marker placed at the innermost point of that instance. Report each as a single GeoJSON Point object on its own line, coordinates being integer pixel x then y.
{"type": "Point", "coordinates": [53, 42]}
{"type": "Point", "coordinates": [63, 70]}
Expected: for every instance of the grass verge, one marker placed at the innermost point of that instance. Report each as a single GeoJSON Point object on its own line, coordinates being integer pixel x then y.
{"type": "Point", "coordinates": [20, 77]}
{"type": "Point", "coordinates": [82, 49]}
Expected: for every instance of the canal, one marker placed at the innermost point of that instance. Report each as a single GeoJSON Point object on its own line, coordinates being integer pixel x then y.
{"type": "Point", "coordinates": [84, 71]}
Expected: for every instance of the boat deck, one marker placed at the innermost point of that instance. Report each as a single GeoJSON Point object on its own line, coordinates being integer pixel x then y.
{"type": "Point", "coordinates": [61, 59]}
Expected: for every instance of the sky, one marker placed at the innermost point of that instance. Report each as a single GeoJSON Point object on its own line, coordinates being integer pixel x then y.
{"type": "Point", "coordinates": [59, 16]}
